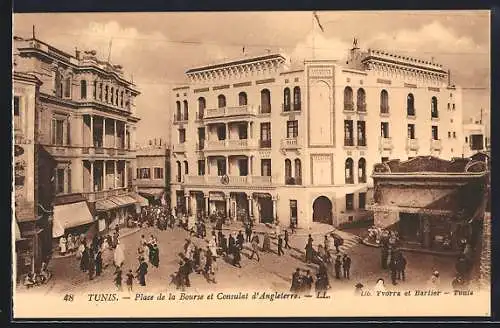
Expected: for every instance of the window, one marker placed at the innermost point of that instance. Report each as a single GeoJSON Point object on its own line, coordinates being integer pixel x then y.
{"type": "Point", "coordinates": [242, 131]}
{"type": "Point", "coordinates": [265, 101]}
{"type": "Point", "coordinates": [349, 177]}
{"type": "Point", "coordinates": [179, 172]}
{"type": "Point", "coordinates": [221, 167]}
{"type": "Point", "coordinates": [17, 113]}
{"type": "Point", "coordinates": [454, 135]}
{"type": "Point", "coordinates": [58, 81]}
{"type": "Point", "coordinates": [106, 94]}
{"type": "Point", "coordinates": [201, 107]}
{"type": "Point", "coordinates": [293, 208]}
{"type": "Point", "coordinates": [221, 101]}
{"type": "Point", "coordinates": [410, 105]}
{"type": "Point", "coordinates": [384, 129]}
{"type": "Point", "coordinates": [298, 171]}
{"type": "Point", "coordinates": [348, 101]}
{"type": "Point", "coordinates": [83, 89]}
{"type": "Point", "coordinates": [288, 171]}
{"type": "Point", "coordinates": [265, 165]}
{"type": "Point", "coordinates": [186, 110]}
{"type": "Point", "coordinates": [466, 139]}
{"type": "Point", "coordinates": [182, 136]}
{"type": "Point", "coordinates": [449, 106]}
{"type": "Point", "coordinates": [411, 131]}
{"type": "Point", "coordinates": [59, 180]}
{"type": "Point", "coordinates": [453, 106]}
{"type": "Point", "coordinates": [100, 91]}
{"type": "Point", "coordinates": [94, 91]}
{"type": "Point", "coordinates": [178, 116]}
{"type": "Point", "coordinates": [158, 171]}
{"type": "Point", "coordinates": [292, 129]}
{"type": "Point", "coordinates": [112, 95]}
{"type": "Point", "coordinates": [186, 167]}
{"type": "Point", "coordinates": [201, 167]}
{"type": "Point", "coordinates": [286, 100]}
{"type": "Point", "coordinates": [58, 132]}
{"type": "Point", "coordinates": [434, 107]}
{"type": "Point", "coordinates": [144, 173]}
{"type": "Point", "coordinates": [121, 99]}
{"type": "Point", "coordinates": [385, 159]}
{"type": "Point", "coordinates": [449, 134]}
{"type": "Point", "coordinates": [221, 132]}
{"type": "Point", "coordinates": [362, 170]}
{"type": "Point", "coordinates": [67, 88]}
{"type": "Point", "coordinates": [362, 200]}
{"type": "Point", "coordinates": [349, 202]}
{"type": "Point", "coordinates": [435, 135]}
{"type": "Point", "coordinates": [384, 102]}
{"type": "Point", "coordinates": [476, 142]}
{"type": "Point", "coordinates": [348, 133]}
{"type": "Point", "coordinates": [242, 99]}
{"type": "Point", "coordinates": [361, 133]}
{"type": "Point", "coordinates": [296, 99]}
{"type": "Point", "coordinates": [116, 97]}
{"type": "Point", "coordinates": [361, 100]}
{"type": "Point", "coordinates": [265, 135]}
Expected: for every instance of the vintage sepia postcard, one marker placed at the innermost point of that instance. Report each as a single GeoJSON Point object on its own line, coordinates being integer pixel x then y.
{"type": "Point", "coordinates": [251, 164]}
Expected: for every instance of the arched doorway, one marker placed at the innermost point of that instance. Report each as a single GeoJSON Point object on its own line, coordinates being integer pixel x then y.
{"type": "Point", "coordinates": [322, 210]}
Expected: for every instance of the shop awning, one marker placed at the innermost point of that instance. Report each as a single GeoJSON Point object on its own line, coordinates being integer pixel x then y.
{"type": "Point", "coordinates": [104, 205]}
{"type": "Point", "coordinates": [69, 216]}
{"type": "Point", "coordinates": [124, 200]}
{"type": "Point", "coordinates": [152, 192]}
{"type": "Point", "coordinates": [140, 200]}
{"type": "Point", "coordinates": [18, 231]}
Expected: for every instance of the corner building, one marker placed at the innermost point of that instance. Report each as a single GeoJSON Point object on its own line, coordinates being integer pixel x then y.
{"type": "Point", "coordinates": [277, 142]}
{"type": "Point", "coordinates": [86, 135]}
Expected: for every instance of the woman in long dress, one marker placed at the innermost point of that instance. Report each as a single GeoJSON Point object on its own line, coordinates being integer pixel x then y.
{"type": "Point", "coordinates": [212, 245]}
{"type": "Point", "coordinates": [266, 246]}
{"type": "Point", "coordinates": [62, 245]}
{"type": "Point", "coordinates": [71, 244]}
{"type": "Point", "coordinates": [380, 287]}
{"type": "Point", "coordinates": [119, 256]}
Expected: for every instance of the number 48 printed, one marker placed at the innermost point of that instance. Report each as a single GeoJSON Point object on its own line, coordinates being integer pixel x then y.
{"type": "Point", "coordinates": [68, 297]}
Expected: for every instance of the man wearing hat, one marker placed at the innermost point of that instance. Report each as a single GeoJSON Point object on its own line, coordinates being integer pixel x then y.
{"type": "Point", "coordinates": [141, 271]}
{"type": "Point", "coordinates": [359, 289]}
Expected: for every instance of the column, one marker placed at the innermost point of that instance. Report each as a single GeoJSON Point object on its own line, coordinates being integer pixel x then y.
{"type": "Point", "coordinates": [92, 130]}
{"type": "Point", "coordinates": [103, 132]}
{"type": "Point", "coordinates": [186, 203]}
{"type": "Point", "coordinates": [250, 206]}
{"type": "Point", "coordinates": [274, 209]}
{"type": "Point", "coordinates": [207, 203]}
{"type": "Point", "coordinates": [104, 175]}
{"type": "Point", "coordinates": [227, 131]}
{"type": "Point", "coordinates": [114, 133]}
{"type": "Point", "coordinates": [92, 185]}
{"type": "Point", "coordinates": [115, 175]}
{"type": "Point", "coordinates": [228, 206]}
{"type": "Point", "coordinates": [227, 165]}
{"type": "Point", "coordinates": [125, 175]}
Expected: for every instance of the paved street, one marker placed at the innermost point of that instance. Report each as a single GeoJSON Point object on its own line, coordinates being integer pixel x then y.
{"type": "Point", "coordinates": [272, 272]}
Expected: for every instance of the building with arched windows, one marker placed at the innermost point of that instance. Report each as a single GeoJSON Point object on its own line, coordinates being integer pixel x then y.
{"type": "Point", "coordinates": [85, 130]}
{"type": "Point", "coordinates": [282, 143]}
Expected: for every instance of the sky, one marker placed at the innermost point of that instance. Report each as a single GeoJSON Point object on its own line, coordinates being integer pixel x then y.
{"type": "Point", "coordinates": [156, 49]}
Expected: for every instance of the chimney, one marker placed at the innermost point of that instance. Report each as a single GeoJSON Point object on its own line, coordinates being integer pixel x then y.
{"type": "Point", "coordinates": [77, 53]}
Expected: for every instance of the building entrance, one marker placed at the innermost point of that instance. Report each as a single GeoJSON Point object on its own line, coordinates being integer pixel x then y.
{"type": "Point", "coordinates": [322, 210]}
{"type": "Point", "coordinates": [409, 226]}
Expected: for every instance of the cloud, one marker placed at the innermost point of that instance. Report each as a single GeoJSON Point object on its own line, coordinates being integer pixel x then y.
{"type": "Point", "coordinates": [319, 46]}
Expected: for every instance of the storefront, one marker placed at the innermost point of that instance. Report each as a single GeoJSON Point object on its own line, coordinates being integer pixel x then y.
{"type": "Point", "coordinates": [74, 218]}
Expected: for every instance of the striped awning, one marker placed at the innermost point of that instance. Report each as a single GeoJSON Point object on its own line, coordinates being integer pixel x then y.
{"type": "Point", "coordinates": [122, 201]}
{"type": "Point", "coordinates": [140, 200]}
{"type": "Point", "coordinates": [69, 216]}
{"type": "Point", "coordinates": [104, 205]}
{"type": "Point", "coordinates": [152, 192]}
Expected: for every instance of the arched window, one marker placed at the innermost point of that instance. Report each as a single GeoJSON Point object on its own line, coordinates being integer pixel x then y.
{"type": "Point", "coordinates": [410, 105]}
{"type": "Point", "coordinates": [112, 100]}
{"type": "Point", "coordinates": [106, 94]}
{"type": "Point", "coordinates": [298, 172]}
{"type": "Point", "coordinates": [186, 110]}
{"type": "Point", "coordinates": [434, 107]}
{"type": "Point", "coordinates": [384, 102]}
{"type": "Point", "coordinates": [362, 170]}
{"type": "Point", "coordinates": [361, 100]}
{"type": "Point", "coordinates": [288, 171]}
{"type": "Point", "coordinates": [83, 89]}
{"type": "Point", "coordinates": [58, 81]}
{"type": "Point", "coordinates": [116, 97]}
{"type": "Point", "coordinates": [242, 99]}
{"type": "Point", "coordinates": [296, 98]}
{"type": "Point", "coordinates": [286, 100]}
{"type": "Point", "coordinates": [221, 101]}
{"type": "Point", "coordinates": [265, 101]}
{"type": "Point", "coordinates": [201, 107]}
{"type": "Point", "coordinates": [178, 113]}
{"type": "Point", "coordinates": [348, 101]}
{"type": "Point", "coordinates": [349, 177]}
{"type": "Point", "coordinates": [186, 168]}
{"type": "Point", "coordinates": [121, 99]}
{"type": "Point", "coordinates": [179, 172]}
{"type": "Point", "coordinates": [100, 91]}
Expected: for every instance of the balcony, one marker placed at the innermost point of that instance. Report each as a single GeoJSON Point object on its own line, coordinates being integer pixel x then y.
{"type": "Point", "coordinates": [362, 142]}
{"type": "Point", "coordinates": [233, 180]}
{"type": "Point", "coordinates": [348, 107]}
{"type": "Point", "coordinates": [436, 144]}
{"type": "Point", "coordinates": [361, 107]}
{"type": "Point", "coordinates": [179, 148]}
{"type": "Point", "coordinates": [65, 150]}
{"type": "Point", "coordinates": [229, 144]}
{"type": "Point", "coordinates": [103, 194]}
{"type": "Point", "coordinates": [412, 144]}
{"type": "Point", "coordinates": [180, 119]}
{"type": "Point", "coordinates": [385, 143]}
{"type": "Point", "coordinates": [410, 112]}
{"type": "Point", "coordinates": [293, 181]}
{"type": "Point", "coordinates": [265, 143]}
{"type": "Point", "coordinates": [230, 111]}
{"type": "Point", "coordinates": [348, 142]}
{"type": "Point", "coordinates": [384, 110]}
{"type": "Point", "coordinates": [290, 143]}
{"type": "Point", "coordinates": [150, 183]}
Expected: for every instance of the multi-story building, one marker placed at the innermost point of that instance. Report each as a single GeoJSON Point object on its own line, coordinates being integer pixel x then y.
{"type": "Point", "coordinates": [284, 143]}
{"type": "Point", "coordinates": [32, 235]}
{"type": "Point", "coordinates": [153, 172]}
{"type": "Point", "coordinates": [475, 138]}
{"type": "Point", "coordinates": [86, 130]}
